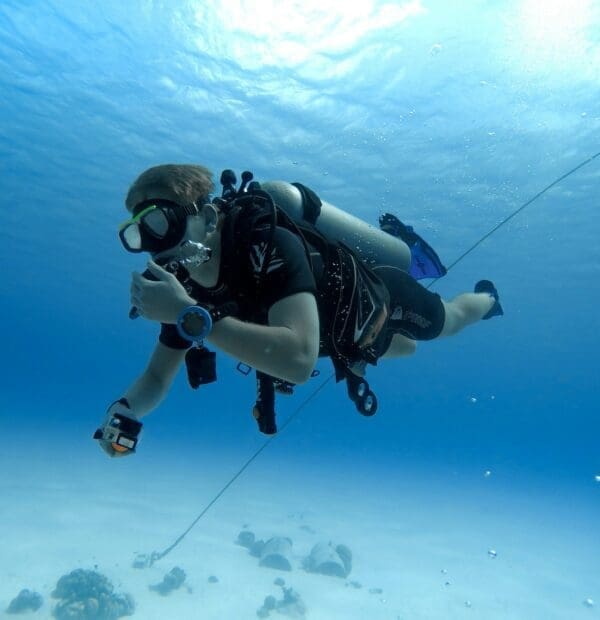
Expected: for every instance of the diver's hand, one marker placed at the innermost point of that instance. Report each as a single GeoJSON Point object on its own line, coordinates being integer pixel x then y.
{"type": "Point", "coordinates": [118, 433]}
{"type": "Point", "coordinates": [161, 300]}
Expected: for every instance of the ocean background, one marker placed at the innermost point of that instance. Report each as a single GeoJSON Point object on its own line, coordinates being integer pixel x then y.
{"type": "Point", "coordinates": [474, 492]}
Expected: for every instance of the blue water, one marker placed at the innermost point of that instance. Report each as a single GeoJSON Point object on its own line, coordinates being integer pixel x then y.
{"type": "Point", "coordinates": [450, 115]}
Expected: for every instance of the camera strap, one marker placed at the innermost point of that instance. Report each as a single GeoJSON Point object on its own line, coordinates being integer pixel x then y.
{"type": "Point", "coordinates": [200, 361]}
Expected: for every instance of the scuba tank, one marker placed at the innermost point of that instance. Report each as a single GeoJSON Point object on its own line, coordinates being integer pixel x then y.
{"type": "Point", "coordinates": [373, 246]}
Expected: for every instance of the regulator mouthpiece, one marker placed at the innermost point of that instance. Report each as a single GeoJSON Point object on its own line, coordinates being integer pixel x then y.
{"type": "Point", "coordinates": [190, 254]}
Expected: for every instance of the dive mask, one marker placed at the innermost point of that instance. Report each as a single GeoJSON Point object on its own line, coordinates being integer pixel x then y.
{"type": "Point", "coordinates": [156, 226]}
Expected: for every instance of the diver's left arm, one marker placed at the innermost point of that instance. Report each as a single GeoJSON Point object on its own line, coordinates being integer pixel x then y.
{"type": "Point", "coordinates": [286, 348]}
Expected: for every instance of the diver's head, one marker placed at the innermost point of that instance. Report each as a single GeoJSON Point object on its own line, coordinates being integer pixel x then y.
{"type": "Point", "coordinates": [180, 183]}
{"type": "Point", "coordinates": [171, 209]}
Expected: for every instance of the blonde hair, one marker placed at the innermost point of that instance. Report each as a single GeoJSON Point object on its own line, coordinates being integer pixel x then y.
{"type": "Point", "coordinates": [187, 182]}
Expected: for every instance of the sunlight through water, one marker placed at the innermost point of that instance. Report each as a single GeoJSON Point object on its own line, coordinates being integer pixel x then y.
{"type": "Point", "coordinates": [558, 37]}
{"type": "Point", "coordinates": [289, 33]}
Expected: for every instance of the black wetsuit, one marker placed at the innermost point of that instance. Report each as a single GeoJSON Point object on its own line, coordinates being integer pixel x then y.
{"type": "Point", "coordinates": [412, 310]}
{"type": "Point", "coordinates": [286, 272]}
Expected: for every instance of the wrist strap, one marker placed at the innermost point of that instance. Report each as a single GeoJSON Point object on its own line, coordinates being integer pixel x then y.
{"type": "Point", "coordinates": [220, 312]}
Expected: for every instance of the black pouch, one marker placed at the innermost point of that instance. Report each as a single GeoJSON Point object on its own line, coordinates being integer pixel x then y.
{"type": "Point", "coordinates": [201, 366]}
{"type": "Point", "coordinates": [264, 409]}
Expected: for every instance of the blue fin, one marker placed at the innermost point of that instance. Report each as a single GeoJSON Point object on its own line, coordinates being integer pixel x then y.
{"type": "Point", "coordinates": [425, 263]}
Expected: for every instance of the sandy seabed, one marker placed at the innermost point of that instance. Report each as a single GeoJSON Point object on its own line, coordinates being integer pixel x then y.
{"type": "Point", "coordinates": [423, 546]}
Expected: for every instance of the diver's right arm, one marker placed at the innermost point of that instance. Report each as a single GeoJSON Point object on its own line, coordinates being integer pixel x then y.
{"type": "Point", "coordinates": [151, 387]}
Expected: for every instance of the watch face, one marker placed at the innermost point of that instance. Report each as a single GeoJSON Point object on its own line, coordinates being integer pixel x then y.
{"type": "Point", "coordinates": [194, 323]}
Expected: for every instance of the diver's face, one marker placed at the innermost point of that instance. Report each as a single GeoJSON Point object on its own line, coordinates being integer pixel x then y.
{"type": "Point", "coordinates": [199, 229]}
{"type": "Point", "coordinates": [189, 235]}
{"type": "Point", "coordinates": [155, 193]}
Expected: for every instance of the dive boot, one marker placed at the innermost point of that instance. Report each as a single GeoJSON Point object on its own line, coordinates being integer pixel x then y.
{"type": "Point", "coordinates": [487, 286]}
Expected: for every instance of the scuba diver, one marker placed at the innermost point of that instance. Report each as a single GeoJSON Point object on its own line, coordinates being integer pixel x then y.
{"type": "Point", "coordinates": [273, 276]}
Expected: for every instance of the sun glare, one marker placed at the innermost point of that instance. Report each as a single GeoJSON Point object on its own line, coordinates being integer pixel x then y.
{"type": "Point", "coordinates": [554, 35]}
{"type": "Point", "coordinates": [286, 33]}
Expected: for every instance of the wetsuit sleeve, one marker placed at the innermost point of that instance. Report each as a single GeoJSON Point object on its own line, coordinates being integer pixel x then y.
{"type": "Point", "coordinates": [287, 271]}
{"type": "Point", "coordinates": [169, 336]}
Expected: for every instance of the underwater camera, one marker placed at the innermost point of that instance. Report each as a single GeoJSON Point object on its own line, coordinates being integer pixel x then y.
{"type": "Point", "coordinates": [121, 431]}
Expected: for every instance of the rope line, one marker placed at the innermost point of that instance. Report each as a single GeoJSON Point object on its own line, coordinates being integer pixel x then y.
{"type": "Point", "coordinates": [517, 211]}
{"type": "Point", "coordinates": [155, 556]}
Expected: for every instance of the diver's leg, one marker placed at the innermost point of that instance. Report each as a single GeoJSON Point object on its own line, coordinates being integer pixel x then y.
{"type": "Point", "coordinates": [401, 346]}
{"type": "Point", "coordinates": [464, 310]}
